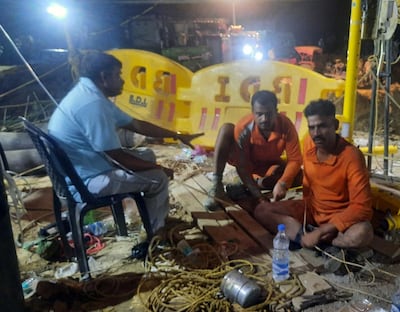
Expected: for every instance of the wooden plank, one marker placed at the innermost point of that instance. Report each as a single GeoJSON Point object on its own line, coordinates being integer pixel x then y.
{"type": "Point", "coordinates": [252, 227]}
{"type": "Point", "coordinates": [195, 190]}
{"type": "Point", "coordinates": [226, 230]}
{"type": "Point", "coordinates": [217, 215]}
{"type": "Point", "coordinates": [202, 181]}
{"type": "Point", "coordinates": [314, 285]}
{"type": "Point", "coordinates": [185, 198]}
{"type": "Point", "coordinates": [233, 233]}
{"type": "Point", "coordinates": [205, 184]}
{"type": "Point", "coordinates": [386, 248]}
{"type": "Point", "coordinates": [217, 218]}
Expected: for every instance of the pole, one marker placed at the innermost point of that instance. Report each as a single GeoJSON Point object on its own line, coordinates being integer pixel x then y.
{"type": "Point", "coordinates": [234, 12]}
{"type": "Point", "coordinates": [372, 119]}
{"type": "Point", "coordinates": [388, 81]}
{"type": "Point", "coordinates": [12, 298]}
{"type": "Point", "coordinates": [353, 55]}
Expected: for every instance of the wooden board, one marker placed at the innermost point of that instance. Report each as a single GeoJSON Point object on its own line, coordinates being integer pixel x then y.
{"type": "Point", "coordinates": [202, 181]}
{"type": "Point", "coordinates": [222, 228]}
{"type": "Point", "coordinates": [182, 194]}
{"type": "Point", "coordinates": [386, 248]}
{"type": "Point", "coordinates": [196, 190]}
{"type": "Point", "coordinates": [232, 233]}
{"type": "Point", "coordinates": [217, 218]}
{"type": "Point", "coordinates": [252, 227]}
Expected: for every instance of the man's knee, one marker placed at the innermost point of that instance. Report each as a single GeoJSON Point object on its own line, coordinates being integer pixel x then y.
{"type": "Point", "coordinates": [147, 154]}
{"type": "Point", "coordinates": [163, 179]}
{"type": "Point", "coordinates": [227, 128]}
{"type": "Point", "coordinates": [359, 235]}
{"type": "Point", "coordinates": [365, 234]}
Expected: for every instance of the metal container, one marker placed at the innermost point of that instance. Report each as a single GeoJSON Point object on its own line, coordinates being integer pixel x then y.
{"type": "Point", "coordinates": [236, 287]}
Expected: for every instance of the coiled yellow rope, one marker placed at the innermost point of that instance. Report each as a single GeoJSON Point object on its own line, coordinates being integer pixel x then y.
{"type": "Point", "coordinates": [192, 283]}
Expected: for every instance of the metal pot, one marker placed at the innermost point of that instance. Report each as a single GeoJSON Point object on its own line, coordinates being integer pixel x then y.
{"type": "Point", "coordinates": [236, 287]}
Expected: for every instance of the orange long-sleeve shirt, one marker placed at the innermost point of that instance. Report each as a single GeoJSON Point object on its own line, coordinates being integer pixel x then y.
{"type": "Point", "coordinates": [337, 190]}
{"type": "Point", "coordinates": [262, 153]}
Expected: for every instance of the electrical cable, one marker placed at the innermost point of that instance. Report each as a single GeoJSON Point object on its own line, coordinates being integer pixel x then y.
{"type": "Point", "coordinates": [35, 76]}
{"type": "Point", "coordinates": [125, 22]}
{"type": "Point", "coordinates": [33, 80]}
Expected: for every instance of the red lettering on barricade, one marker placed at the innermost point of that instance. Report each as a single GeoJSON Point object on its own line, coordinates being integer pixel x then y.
{"type": "Point", "coordinates": [299, 117]}
{"type": "Point", "coordinates": [222, 97]}
{"type": "Point", "coordinates": [173, 84]}
{"type": "Point", "coordinates": [302, 91]}
{"type": "Point", "coordinates": [171, 112]}
{"type": "Point", "coordinates": [203, 118]}
{"type": "Point", "coordinates": [159, 109]}
{"type": "Point", "coordinates": [217, 115]}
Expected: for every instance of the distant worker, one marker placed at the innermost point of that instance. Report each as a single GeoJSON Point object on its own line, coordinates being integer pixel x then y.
{"type": "Point", "coordinates": [337, 200]}
{"type": "Point", "coordinates": [339, 69]}
{"type": "Point", "coordinates": [86, 124]}
{"type": "Point", "coordinates": [255, 146]}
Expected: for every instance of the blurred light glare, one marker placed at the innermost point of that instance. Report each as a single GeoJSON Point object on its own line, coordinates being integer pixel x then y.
{"type": "Point", "coordinates": [247, 49]}
{"type": "Point", "coordinates": [258, 56]}
{"type": "Point", "coordinates": [57, 10]}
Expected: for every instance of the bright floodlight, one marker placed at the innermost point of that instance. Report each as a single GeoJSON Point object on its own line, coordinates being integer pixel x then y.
{"type": "Point", "coordinates": [258, 56]}
{"type": "Point", "coordinates": [247, 49]}
{"type": "Point", "coordinates": [57, 10]}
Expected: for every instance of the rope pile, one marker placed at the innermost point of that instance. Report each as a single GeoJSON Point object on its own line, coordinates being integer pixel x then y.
{"type": "Point", "coordinates": [199, 290]}
{"type": "Point", "coordinates": [193, 283]}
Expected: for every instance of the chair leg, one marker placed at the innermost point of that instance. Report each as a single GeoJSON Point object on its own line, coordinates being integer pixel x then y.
{"type": "Point", "coordinates": [119, 218]}
{"type": "Point", "coordinates": [144, 215]}
{"type": "Point", "coordinates": [60, 225]}
{"type": "Point", "coordinates": [76, 219]}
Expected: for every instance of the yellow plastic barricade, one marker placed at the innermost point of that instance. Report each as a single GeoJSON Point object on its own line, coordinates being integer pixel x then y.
{"type": "Point", "coordinates": [221, 93]}
{"type": "Point", "coordinates": [149, 92]}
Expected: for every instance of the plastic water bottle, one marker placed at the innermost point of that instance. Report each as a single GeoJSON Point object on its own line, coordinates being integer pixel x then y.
{"type": "Point", "coordinates": [280, 255]}
{"type": "Point", "coordinates": [396, 297]}
{"type": "Point", "coordinates": [97, 228]}
{"type": "Point", "coordinates": [361, 305]}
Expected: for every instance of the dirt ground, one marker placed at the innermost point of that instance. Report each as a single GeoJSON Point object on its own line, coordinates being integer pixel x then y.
{"type": "Point", "coordinates": [376, 281]}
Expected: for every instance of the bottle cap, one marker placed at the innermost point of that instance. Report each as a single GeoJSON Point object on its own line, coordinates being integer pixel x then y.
{"type": "Point", "coordinates": [281, 227]}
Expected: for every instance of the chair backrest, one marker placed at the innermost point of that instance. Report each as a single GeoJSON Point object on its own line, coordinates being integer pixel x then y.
{"type": "Point", "coordinates": [4, 161]}
{"type": "Point", "coordinates": [58, 165]}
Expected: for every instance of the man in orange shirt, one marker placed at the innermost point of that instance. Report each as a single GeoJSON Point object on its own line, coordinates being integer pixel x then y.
{"type": "Point", "coordinates": [336, 191]}
{"type": "Point", "coordinates": [255, 146]}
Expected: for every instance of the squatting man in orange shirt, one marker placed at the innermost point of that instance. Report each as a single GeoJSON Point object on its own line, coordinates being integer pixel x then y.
{"type": "Point", "coordinates": [255, 146]}
{"type": "Point", "coordinates": [336, 191]}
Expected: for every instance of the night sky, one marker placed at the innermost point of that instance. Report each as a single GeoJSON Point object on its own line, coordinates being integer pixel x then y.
{"type": "Point", "coordinates": [100, 24]}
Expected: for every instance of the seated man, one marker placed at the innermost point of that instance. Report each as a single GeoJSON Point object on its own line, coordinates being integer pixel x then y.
{"type": "Point", "coordinates": [86, 124]}
{"type": "Point", "coordinates": [336, 191]}
{"type": "Point", "coordinates": [255, 146]}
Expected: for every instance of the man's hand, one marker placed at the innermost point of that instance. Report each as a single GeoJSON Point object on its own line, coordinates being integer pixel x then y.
{"type": "Point", "coordinates": [187, 138]}
{"type": "Point", "coordinates": [279, 191]}
{"type": "Point", "coordinates": [311, 239]}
